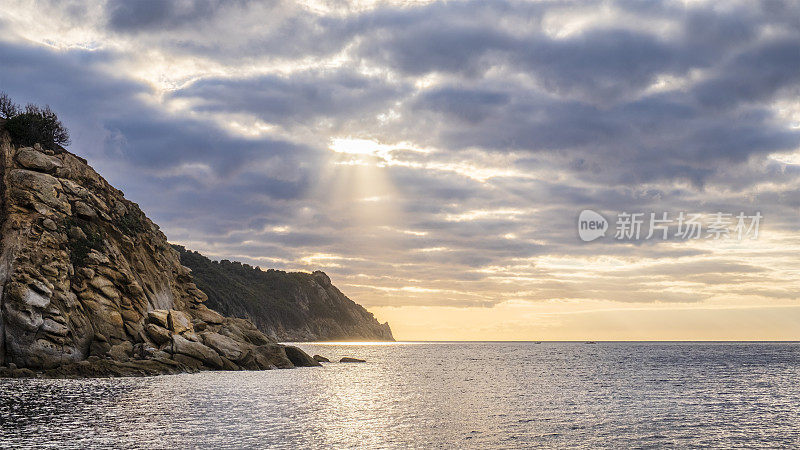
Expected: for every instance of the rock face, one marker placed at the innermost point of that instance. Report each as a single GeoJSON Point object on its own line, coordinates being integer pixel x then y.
{"type": "Point", "coordinates": [351, 360]}
{"type": "Point", "coordinates": [90, 286]}
{"type": "Point", "coordinates": [288, 307]}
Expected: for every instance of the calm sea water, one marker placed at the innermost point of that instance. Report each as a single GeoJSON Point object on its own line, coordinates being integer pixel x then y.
{"type": "Point", "coordinates": [423, 395]}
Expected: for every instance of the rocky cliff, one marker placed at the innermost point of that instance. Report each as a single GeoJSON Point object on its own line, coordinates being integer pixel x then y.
{"type": "Point", "coordinates": [286, 306]}
{"type": "Point", "coordinates": [89, 285]}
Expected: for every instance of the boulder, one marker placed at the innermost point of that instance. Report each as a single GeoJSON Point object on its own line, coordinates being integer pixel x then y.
{"type": "Point", "coordinates": [268, 356]}
{"type": "Point", "coordinates": [179, 322]}
{"type": "Point", "coordinates": [244, 330]}
{"type": "Point", "coordinates": [300, 358]}
{"type": "Point", "coordinates": [227, 364]}
{"type": "Point", "coordinates": [191, 335]}
{"type": "Point", "coordinates": [196, 350]}
{"type": "Point", "coordinates": [320, 359]}
{"type": "Point", "coordinates": [26, 318]}
{"type": "Point", "coordinates": [49, 224]}
{"type": "Point", "coordinates": [194, 363]}
{"type": "Point", "coordinates": [158, 317]}
{"type": "Point", "coordinates": [207, 315]}
{"type": "Point", "coordinates": [351, 360]}
{"type": "Point", "coordinates": [29, 158]}
{"type": "Point", "coordinates": [77, 234]}
{"type": "Point", "coordinates": [29, 186]}
{"type": "Point", "coordinates": [144, 351]}
{"type": "Point", "coordinates": [121, 351]}
{"type": "Point", "coordinates": [84, 210]}
{"type": "Point", "coordinates": [158, 334]}
{"type": "Point", "coordinates": [225, 346]}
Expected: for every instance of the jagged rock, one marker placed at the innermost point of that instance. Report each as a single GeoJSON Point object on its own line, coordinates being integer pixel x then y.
{"type": "Point", "coordinates": [105, 286]}
{"type": "Point", "coordinates": [320, 359]}
{"type": "Point", "coordinates": [30, 187]}
{"type": "Point", "coordinates": [89, 286]}
{"type": "Point", "coordinates": [84, 210]}
{"type": "Point", "coordinates": [208, 316]}
{"type": "Point", "coordinates": [179, 322]}
{"type": "Point", "coordinates": [130, 316]}
{"type": "Point", "coordinates": [74, 188]}
{"type": "Point", "coordinates": [145, 351]}
{"type": "Point", "coordinates": [194, 363]}
{"type": "Point", "coordinates": [36, 299]}
{"type": "Point", "coordinates": [77, 234]}
{"type": "Point", "coordinates": [158, 334]}
{"type": "Point", "coordinates": [121, 351]}
{"type": "Point", "coordinates": [196, 350]}
{"type": "Point", "coordinates": [192, 336]}
{"type": "Point", "coordinates": [99, 349]}
{"type": "Point", "coordinates": [299, 358]}
{"type": "Point", "coordinates": [225, 346]}
{"type": "Point", "coordinates": [351, 360]}
{"type": "Point", "coordinates": [51, 326]}
{"type": "Point", "coordinates": [95, 257]}
{"type": "Point", "coordinates": [269, 356]}
{"type": "Point", "coordinates": [158, 317]}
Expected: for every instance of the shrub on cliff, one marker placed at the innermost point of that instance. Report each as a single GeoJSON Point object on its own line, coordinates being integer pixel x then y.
{"type": "Point", "coordinates": [8, 108]}
{"type": "Point", "coordinates": [32, 125]}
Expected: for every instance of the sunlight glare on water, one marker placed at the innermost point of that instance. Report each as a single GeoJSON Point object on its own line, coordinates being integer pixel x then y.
{"type": "Point", "coordinates": [445, 395]}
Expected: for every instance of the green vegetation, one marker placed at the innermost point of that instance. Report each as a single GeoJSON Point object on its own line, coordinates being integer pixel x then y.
{"type": "Point", "coordinates": [286, 304]}
{"type": "Point", "coordinates": [79, 247]}
{"type": "Point", "coordinates": [242, 290]}
{"type": "Point", "coordinates": [131, 223]}
{"type": "Point", "coordinates": [32, 125]}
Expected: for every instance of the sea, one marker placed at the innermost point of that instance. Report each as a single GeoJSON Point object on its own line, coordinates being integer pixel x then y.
{"type": "Point", "coordinates": [481, 395]}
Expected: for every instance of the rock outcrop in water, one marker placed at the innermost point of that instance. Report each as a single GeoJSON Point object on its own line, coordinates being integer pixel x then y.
{"type": "Point", "coordinates": [287, 306]}
{"type": "Point", "coordinates": [89, 286]}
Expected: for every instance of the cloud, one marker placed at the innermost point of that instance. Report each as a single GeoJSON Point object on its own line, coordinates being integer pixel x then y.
{"type": "Point", "coordinates": [299, 98]}
{"type": "Point", "coordinates": [494, 124]}
{"type": "Point", "coordinates": [148, 15]}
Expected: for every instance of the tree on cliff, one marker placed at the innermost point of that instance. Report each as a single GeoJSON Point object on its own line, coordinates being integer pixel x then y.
{"type": "Point", "coordinates": [32, 125]}
{"type": "Point", "coordinates": [8, 108]}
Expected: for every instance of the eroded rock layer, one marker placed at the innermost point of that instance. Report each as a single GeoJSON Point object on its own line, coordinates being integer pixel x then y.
{"type": "Point", "coordinates": [90, 286]}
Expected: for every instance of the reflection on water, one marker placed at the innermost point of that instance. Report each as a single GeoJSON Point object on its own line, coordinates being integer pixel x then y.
{"type": "Point", "coordinates": [435, 395]}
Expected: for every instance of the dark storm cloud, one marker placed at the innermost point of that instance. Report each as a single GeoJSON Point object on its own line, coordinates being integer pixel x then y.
{"type": "Point", "coordinates": [756, 75]}
{"type": "Point", "coordinates": [67, 81]}
{"type": "Point", "coordinates": [299, 98]}
{"type": "Point", "coordinates": [604, 63]}
{"type": "Point", "coordinates": [662, 136]}
{"type": "Point", "coordinates": [146, 15]}
{"type": "Point", "coordinates": [161, 142]}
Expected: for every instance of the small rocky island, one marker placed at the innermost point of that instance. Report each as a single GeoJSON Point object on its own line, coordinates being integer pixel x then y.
{"type": "Point", "coordinates": [89, 286]}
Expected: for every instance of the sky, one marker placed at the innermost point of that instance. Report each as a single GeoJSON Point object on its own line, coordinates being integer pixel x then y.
{"type": "Point", "coordinates": [433, 157]}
